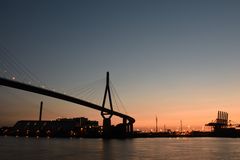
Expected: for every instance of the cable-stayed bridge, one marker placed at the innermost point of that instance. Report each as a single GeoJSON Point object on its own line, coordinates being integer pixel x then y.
{"type": "Point", "coordinates": [126, 127]}
{"type": "Point", "coordinates": [105, 112]}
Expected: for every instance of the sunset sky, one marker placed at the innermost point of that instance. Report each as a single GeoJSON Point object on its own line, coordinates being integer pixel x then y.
{"type": "Point", "coordinates": [177, 60]}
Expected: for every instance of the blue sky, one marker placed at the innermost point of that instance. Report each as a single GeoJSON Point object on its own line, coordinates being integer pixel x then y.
{"type": "Point", "coordinates": [173, 57]}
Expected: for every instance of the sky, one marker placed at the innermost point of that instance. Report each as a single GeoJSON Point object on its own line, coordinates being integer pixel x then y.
{"type": "Point", "coordinates": [177, 60]}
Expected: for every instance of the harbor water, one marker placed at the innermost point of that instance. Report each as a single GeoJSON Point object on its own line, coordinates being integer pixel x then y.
{"type": "Point", "coordinates": [12, 148]}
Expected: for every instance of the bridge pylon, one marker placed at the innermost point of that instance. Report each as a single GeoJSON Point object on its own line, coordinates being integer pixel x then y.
{"type": "Point", "coordinates": [107, 128]}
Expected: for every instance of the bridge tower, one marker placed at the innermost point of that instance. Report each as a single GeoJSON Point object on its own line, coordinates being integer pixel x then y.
{"type": "Point", "coordinates": [107, 129]}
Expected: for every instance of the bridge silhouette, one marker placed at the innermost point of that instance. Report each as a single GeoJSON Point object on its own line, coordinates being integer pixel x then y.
{"type": "Point", "coordinates": [125, 129]}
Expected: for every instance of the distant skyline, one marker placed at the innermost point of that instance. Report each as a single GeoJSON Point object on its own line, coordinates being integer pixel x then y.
{"type": "Point", "coordinates": [177, 60]}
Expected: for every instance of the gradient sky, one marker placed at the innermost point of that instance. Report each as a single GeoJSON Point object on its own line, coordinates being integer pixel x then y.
{"type": "Point", "coordinates": [178, 60]}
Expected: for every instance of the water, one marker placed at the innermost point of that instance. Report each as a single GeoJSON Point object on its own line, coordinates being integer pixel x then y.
{"type": "Point", "coordinates": [12, 148]}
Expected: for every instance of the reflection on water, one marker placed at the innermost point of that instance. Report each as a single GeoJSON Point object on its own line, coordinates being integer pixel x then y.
{"type": "Point", "coordinates": [142, 148]}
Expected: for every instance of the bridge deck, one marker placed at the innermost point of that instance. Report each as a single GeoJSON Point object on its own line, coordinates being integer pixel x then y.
{"type": "Point", "coordinates": [46, 92]}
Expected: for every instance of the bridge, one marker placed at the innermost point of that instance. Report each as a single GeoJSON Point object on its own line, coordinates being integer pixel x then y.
{"type": "Point", "coordinates": [126, 127]}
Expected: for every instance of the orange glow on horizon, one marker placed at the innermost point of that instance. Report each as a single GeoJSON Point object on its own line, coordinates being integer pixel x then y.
{"type": "Point", "coordinates": [195, 110]}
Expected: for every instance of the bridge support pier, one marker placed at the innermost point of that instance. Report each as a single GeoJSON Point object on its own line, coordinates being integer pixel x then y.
{"type": "Point", "coordinates": [125, 126]}
{"type": "Point", "coordinates": [130, 129]}
{"type": "Point", "coordinates": [107, 128]}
